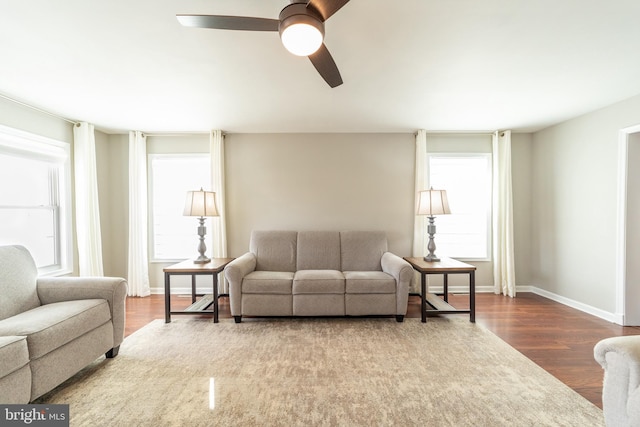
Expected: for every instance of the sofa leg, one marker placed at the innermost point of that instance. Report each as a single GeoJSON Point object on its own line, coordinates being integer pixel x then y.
{"type": "Point", "coordinates": [112, 353]}
{"type": "Point", "coordinates": [238, 319]}
{"type": "Point", "coordinates": [399, 318]}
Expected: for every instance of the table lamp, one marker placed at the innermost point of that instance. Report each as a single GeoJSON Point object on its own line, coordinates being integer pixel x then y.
{"type": "Point", "coordinates": [432, 202]}
{"type": "Point", "coordinates": [201, 203]}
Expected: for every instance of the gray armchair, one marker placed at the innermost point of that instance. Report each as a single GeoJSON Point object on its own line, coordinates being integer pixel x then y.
{"type": "Point", "coordinates": [620, 358]}
{"type": "Point", "coordinates": [51, 328]}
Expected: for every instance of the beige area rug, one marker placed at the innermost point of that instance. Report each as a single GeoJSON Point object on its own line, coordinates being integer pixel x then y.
{"type": "Point", "coordinates": [319, 372]}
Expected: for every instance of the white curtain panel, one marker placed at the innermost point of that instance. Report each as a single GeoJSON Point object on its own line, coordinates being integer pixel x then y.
{"type": "Point", "coordinates": [138, 265]}
{"type": "Point", "coordinates": [88, 234]}
{"type": "Point", "coordinates": [504, 281]}
{"type": "Point", "coordinates": [419, 229]}
{"type": "Point", "coordinates": [218, 223]}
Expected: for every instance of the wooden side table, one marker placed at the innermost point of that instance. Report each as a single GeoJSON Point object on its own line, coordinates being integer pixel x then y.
{"type": "Point", "coordinates": [206, 304]}
{"type": "Point", "coordinates": [433, 304]}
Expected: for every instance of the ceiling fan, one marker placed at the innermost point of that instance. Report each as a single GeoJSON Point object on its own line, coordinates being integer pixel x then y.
{"type": "Point", "coordinates": [301, 28]}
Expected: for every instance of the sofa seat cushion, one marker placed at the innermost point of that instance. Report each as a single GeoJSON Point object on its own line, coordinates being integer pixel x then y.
{"type": "Point", "coordinates": [52, 325]}
{"type": "Point", "coordinates": [267, 282]}
{"type": "Point", "coordinates": [14, 354]}
{"type": "Point", "coordinates": [369, 282]}
{"type": "Point", "coordinates": [318, 282]}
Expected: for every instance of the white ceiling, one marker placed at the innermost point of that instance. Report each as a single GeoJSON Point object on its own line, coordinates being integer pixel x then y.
{"type": "Point", "coordinates": [440, 65]}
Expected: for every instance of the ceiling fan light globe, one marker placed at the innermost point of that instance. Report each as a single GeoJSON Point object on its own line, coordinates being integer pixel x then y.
{"type": "Point", "coordinates": [301, 39]}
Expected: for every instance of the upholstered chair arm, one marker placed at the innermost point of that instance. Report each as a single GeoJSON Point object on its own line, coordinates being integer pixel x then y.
{"type": "Point", "coordinates": [112, 289]}
{"type": "Point", "coordinates": [402, 271]}
{"type": "Point", "coordinates": [234, 273]}
{"type": "Point", "coordinates": [620, 358]}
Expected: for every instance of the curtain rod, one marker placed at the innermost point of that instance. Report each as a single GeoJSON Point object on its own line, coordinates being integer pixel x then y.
{"type": "Point", "coordinates": [174, 134]}
{"type": "Point", "coordinates": [40, 110]}
{"type": "Point", "coordinates": [460, 132]}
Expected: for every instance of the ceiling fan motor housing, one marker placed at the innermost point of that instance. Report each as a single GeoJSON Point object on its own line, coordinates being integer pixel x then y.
{"type": "Point", "coordinates": [299, 13]}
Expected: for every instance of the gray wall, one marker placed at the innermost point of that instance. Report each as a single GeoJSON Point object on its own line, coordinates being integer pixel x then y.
{"type": "Point", "coordinates": [320, 181]}
{"type": "Point", "coordinates": [574, 207]}
{"type": "Point", "coordinates": [112, 157]}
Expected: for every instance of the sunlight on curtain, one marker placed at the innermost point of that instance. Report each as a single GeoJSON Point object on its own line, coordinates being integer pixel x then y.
{"type": "Point", "coordinates": [138, 265]}
{"type": "Point", "coordinates": [219, 223]}
{"type": "Point", "coordinates": [88, 234]}
{"type": "Point", "coordinates": [419, 220]}
{"type": "Point", "coordinates": [503, 258]}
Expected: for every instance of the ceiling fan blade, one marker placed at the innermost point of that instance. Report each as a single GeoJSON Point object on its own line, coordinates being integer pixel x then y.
{"type": "Point", "coordinates": [326, 8]}
{"type": "Point", "coordinates": [222, 22]}
{"type": "Point", "coordinates": [326, 66]}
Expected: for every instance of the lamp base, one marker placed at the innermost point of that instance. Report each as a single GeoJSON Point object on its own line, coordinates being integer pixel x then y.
{"type": "Point", "coordinates": [202, 248]}
{"type": "Point", "coordinates": [201, 260]}
{"type": "Point", "coordinates": [430, 258]}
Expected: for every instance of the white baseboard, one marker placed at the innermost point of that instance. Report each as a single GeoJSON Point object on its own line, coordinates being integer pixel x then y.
{"type": "Point", "coordinates": [611, 317]}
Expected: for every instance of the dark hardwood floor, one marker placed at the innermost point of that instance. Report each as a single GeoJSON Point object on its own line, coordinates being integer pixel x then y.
{"type": "Point", "coordinates": [558, 338]}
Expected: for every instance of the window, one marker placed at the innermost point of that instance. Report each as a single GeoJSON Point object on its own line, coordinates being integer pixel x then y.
{"type": "Point", "coordinates": [173, 236]}
{"type": "Point", "coordinates": [35, 207]}
{"type": "Point", "coordinates": [466, 233]}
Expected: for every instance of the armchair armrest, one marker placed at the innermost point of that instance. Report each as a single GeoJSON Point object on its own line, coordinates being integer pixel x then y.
{"type": "Point", "coordinates": [620, 358]}
{"type": "Point", "coordinates": [402, 271]}
{"type": "Point", "coordinates": [234, 273]}
{"type": "Point", "coordinates": [112, 289]}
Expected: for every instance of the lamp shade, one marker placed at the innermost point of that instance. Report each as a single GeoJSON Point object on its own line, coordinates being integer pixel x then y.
{"type": "Point", "coordinates": [433, 202]}
{"type": "Point", "coordinates": [200, 203]}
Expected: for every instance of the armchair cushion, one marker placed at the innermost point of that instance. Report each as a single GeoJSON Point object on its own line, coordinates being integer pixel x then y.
{"type": "Point", "coordinates": [111, 289]}
{"type": "Point", "coordinates": [53, 325]}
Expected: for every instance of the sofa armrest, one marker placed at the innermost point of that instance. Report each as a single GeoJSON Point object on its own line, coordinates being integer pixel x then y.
{"type": "Point", "coordinates": [402, 271]}
{"type": "Point", "coordinates": [620, 358]}
{"type": "Point", "coordinates": [112, 289]}
{"type": "Point", "coordinates": [234, 272]}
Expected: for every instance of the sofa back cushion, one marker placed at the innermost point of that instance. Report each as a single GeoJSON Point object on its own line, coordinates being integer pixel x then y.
{"type": "Point", "coordinates": [274, 250]}
{"type": "Point", "coordinates": [18, 275]}
{"type": "Point", "coordinates": [318, 250]}
{"type": "Point", "coordinates": [362, 250]}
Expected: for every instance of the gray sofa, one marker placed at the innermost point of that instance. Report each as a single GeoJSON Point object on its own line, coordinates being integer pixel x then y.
{"type": "Point", "coordinates": [52, 327]}
{"type": "Point", "coordinates": [318, 273]}
{"type": "Point", "coordinates": [620, 358]}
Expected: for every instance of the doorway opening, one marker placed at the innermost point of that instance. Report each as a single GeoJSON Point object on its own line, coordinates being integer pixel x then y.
{"type": "Point", "coordinates": [628, 252]}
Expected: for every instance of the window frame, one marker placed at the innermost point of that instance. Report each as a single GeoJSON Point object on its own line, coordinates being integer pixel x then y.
{"type": "Point", "coordinates": [57, 154]}
{"type": "Point", "coordinates": [489, 212]}
{"type": "Point", "coordinates": [150, 211]}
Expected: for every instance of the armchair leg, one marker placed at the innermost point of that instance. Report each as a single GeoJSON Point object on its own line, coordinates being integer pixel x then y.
{"type": "Point", "coordinates": [237, 319]}
{"type": "Point", "coordinates": [112, 353]}
{"type": "Point", "coordinates": [399, 318]}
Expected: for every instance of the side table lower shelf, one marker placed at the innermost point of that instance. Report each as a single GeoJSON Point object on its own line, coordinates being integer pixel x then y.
{"type": "Point", "coordinates": [438, 305]}
{"type": "Point", "coordinates": [200, 306]}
